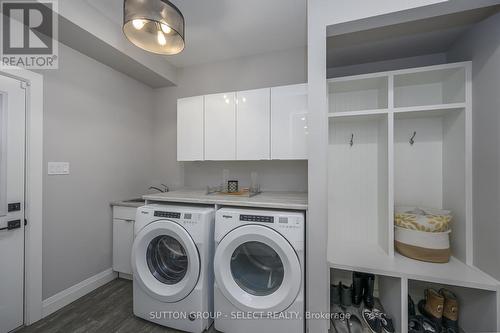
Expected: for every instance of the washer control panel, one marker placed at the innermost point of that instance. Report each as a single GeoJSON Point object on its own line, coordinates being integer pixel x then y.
{"type": "Point", "coordinates": [168, 215]}
{"type": "Point", "coordinates": [186, 218]}
{"type": "Point", "coordinates": [257, 218]}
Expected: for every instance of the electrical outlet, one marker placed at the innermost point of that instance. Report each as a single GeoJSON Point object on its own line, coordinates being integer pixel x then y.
{"type": "Point", "coordinates": [58, 168]}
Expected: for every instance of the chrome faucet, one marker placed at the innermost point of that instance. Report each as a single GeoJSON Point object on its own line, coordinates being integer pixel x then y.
{"type": "Point", "coordinates": [164, 190]}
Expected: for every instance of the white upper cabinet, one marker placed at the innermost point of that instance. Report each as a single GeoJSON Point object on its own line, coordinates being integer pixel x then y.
{"type": "Point", "coordinates": [190, 129]}
{"type": "Point", "coordinates": [289, 105]}
{"type": "Point", "coordinates": [220, 127]}
{"type": "Point", "coordinates": [253, 117]}
{"type": "Point", "coordinates": [251, 125]}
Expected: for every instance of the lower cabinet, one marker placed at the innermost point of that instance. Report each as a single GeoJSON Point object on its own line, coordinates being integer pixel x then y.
{"type": "Point", "coordinates": [123, 239]}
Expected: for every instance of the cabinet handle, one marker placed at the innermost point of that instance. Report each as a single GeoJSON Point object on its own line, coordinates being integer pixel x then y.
{"type": "Point", "coordinates": [129, 221]}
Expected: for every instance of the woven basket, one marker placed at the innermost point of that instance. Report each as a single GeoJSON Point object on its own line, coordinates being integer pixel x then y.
{"type": "Point", "coordinates": [423, 233]}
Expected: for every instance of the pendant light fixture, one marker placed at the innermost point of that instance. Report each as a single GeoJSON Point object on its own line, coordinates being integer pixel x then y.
{"type": "Point", "coordinates": [156, 26]}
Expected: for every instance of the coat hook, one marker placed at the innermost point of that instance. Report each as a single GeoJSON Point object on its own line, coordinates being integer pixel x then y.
{"type": "Point", "coordinates": [351, 141]}
{"type": "Point", "coordinates": [412, 139]}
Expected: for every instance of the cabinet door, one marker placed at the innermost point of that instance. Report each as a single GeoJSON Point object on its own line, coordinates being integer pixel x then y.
{"type": "Point", "coordinates": [289, 105]}
{"type": "Point", "coordinates": [123, 239]}
{"type": "Point", "coordinates": [220, 127]}
{"type": "Point", "coordinates": [253, 119]}
{"type": "Point", "coordinates": [190, 129]}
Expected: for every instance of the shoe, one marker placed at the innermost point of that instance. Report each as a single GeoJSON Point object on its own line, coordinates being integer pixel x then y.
{"type": "Point", "coordinates": [385, 322]}
{"type": "Point", "coordinates": [430, 327]}
{"type": "Point", "coordinates": [357, 288]}
{"type": "Point", "coordinates": [372, 321]}
{"type": "Point", "coordinates": [432, 306]}
{"type": "Point", "coordinates": [420, 324]}
{"type": "Point", "coordinates": [334, 294]}
{"type": "Point", "coordinates": [450, 311]}
{"type": "Point", "coordinates": [411, 308]}
{"type": "Point", "coordinates": [369, 285]}
{"type": "Point", "coordinates": [415, 325]}
{"type": "Point", "coordinates": [338, 318]}
{"type": "Point", "coordinates": [355, 325]}
{"type": "Point", "coordinates": [345, 295]}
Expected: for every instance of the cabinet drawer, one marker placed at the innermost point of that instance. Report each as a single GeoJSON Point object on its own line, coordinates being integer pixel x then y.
{"type": "Point", "coordinates": [124, 213]}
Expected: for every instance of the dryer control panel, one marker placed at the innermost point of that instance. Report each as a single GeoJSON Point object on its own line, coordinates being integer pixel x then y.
{"type": "Point", "coordinates": [290, 224]}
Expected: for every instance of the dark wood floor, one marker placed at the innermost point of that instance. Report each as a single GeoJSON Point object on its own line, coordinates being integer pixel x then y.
{"type": "Point", "coordinates": [107, 309]}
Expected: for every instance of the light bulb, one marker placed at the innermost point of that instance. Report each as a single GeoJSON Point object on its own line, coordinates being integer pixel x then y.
{"type": "Point", "coordinates": [165, 28]}
{"type": "Point", "coordinates": [139, 24]}
{"type": "Point", "coordinates": [161, 38]}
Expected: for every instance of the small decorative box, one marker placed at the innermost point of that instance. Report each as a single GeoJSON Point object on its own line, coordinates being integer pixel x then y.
{"type": "Point", "coordinates": [232, 186]}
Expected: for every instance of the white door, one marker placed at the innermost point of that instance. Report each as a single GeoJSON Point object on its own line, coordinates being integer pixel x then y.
{"type": "Point", "coordinates": [12, 140]}
{"type": "Point", "coordinates": [289, 122]}
{"type": "Point", "coordinates": [253, 121]}
{"type": "Point", "coordinates": [190, 122]}
{"type": "Point", "coordinates": [220, 127]}
{"type": "Point", "coordinates": [165, 261]}
{"type": "Point", "coordinates": [257, 269]}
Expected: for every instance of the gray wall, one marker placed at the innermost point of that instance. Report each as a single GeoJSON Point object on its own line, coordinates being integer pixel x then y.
{"type": "Point", "coordinates": [100, 121]}
{"type": "Point", "coordinates": [482, 46]}
{"type": "Point", "coordinates": [273, 69]}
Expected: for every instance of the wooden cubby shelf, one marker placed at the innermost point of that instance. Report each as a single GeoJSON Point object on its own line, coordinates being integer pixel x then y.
{"type": "Point", "coordinates": [404, 138]}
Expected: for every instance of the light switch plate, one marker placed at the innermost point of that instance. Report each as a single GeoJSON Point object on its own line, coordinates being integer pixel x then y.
{"type": "Point", "coordinates": [58, 168]}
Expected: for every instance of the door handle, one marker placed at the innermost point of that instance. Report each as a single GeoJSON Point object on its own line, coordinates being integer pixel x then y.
{"type": "Point", "coordinates": [11, 225]}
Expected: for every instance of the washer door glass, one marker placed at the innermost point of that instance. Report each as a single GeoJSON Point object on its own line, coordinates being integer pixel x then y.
{"type": "Point", "coordinates": [167, 259]}
{"type": "Point", "coordinates": [257, 268]}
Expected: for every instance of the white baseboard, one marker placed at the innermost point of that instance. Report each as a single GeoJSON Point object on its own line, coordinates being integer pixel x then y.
{"type": "Point", "coordinates": [125, 276]}
{"type": "Point", "coordinates": [67, 296]}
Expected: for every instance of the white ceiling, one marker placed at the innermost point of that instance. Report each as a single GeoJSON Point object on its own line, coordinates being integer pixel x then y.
{"type": "Point", "coordinates": [224, 29]}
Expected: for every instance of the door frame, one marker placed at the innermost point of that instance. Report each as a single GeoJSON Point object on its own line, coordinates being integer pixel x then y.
{"type": "Point", "coordinates": [33, 82]}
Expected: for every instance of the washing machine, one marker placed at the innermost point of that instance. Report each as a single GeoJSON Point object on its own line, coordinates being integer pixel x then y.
{"type": "Point", "coordinates": [172, 262]}
{"type": "Point", "coordinates": [259, 271]}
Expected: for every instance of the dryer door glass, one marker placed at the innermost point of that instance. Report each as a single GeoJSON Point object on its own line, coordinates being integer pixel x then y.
{"type": "Point", "coordinates": [257, 268]}
{"type": "Point", "coordinates": [167, 259]}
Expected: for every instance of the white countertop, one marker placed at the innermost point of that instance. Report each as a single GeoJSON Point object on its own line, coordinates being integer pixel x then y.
{"type": "Point", "coordinates": [278, 200]}
{"type": "Point", "coordinates": [128, 203]}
